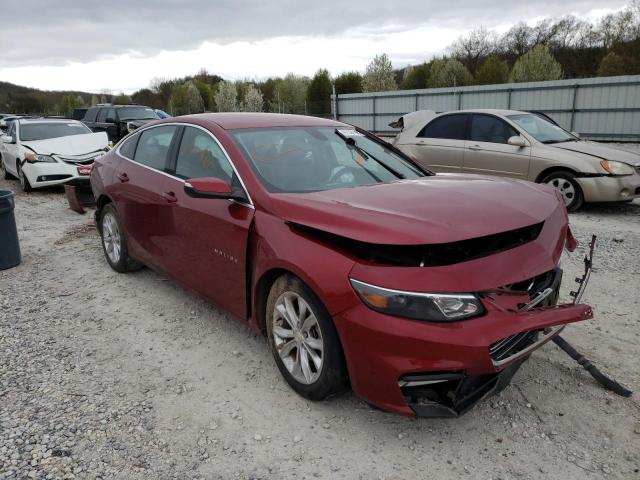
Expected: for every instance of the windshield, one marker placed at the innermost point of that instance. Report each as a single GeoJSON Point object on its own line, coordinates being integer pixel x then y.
{"type": "Point", "coordinates": [137, 113]}
{"type": "Point", "coordinates": [44, 131]}
{"type": "Point", "coordinates": [297, 159]}
{"type": "Point", "coordinates": [541, 129]}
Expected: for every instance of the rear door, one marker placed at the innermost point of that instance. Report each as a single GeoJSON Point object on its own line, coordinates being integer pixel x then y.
{"type": "Point", "coordinates": [208, 242]}
{"type": "Point", "coordinates": [440, 146]}
{"type": "Point", "coordinates": [488, 152]}
{"type": "Point", "coordinates": [145, 209]}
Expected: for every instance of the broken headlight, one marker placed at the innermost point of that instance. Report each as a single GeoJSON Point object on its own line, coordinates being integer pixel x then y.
{"type": "Point", "coordinates": [33, 158]}
{"type": "Point", "coordinates": [431, 307]}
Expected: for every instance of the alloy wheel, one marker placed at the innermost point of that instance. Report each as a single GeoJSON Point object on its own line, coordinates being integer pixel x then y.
{"type": "Point", "coordinates": [566, 188]}
{"type": "Point", "coordinates": [111, 237]}
{"type": "Point", "coordinates": [298, 338]}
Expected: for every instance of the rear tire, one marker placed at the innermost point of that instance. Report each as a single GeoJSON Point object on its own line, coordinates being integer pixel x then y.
{"type": "Point", "coordinates": [24, 181]}
{"type": "Point", "coordinates": [114, 243]}
{"type": "Point", "coordinates": [569, 188]}
{"type": "Point", "coordinates": [303, 340]}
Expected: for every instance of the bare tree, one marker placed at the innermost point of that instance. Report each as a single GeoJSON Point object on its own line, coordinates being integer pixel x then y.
{"type": "Point", "coordinates": [470, 49]}
{"type": "Point", "coordinates": [253, 101]}
{"type": "Point", "coordinates": [226, 97]}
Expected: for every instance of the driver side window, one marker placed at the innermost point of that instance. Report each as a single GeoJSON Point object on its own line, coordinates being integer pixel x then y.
{"type": "Point", "coordinates": [200, 156]}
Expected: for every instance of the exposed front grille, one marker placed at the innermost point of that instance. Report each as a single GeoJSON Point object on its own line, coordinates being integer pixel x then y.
{"type": "Point", "coordinates": [78, 161]}
{"type": "Point", "coordinates": [512, 345]}
{"type": "Point", "coordinates": [533, 285]}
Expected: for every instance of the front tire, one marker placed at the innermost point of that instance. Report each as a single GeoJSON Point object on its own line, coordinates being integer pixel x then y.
{"type": "Point", "coordinates": [5, 173]}
{"type": "Point", "coordinates": [114, 244]}
{"type": "Point", "coordinates": [24, 181]}
{"type": "Point", "coordinates": [569, 188]}
{"type": "Point", "coordinates": [303, 340]}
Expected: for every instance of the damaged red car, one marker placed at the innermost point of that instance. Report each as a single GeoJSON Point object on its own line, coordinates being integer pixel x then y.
{"type": "Point", "coordinates": [422, 292]}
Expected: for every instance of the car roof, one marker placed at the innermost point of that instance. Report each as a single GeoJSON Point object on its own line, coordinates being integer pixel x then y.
{"type": "Point", "coordinates": [23, 121]}
{"type": "Point", "coordinates": [237, 120]}
{"type": "Point", "coordinates": [494, 111]}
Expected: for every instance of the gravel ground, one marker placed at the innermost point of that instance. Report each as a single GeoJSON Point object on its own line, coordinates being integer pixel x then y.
{"type": "Point", "coordinates": [104, 375]}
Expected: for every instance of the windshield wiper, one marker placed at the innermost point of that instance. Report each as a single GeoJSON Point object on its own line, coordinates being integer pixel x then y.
{"type": "Point", "coordinates": [351, 142]}
{"type": "Point", "coordinates": [548, 142]}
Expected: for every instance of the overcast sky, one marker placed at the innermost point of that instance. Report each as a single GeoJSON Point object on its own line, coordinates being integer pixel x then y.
{"type": "Point", "coordinates": [120, 45]}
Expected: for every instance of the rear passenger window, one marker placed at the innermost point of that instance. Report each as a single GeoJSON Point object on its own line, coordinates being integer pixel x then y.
{"type": "Point", "coordinates": [90, 116]}
{"type": "Point", "coordinates": [486, 128]}
{"type": "Point", "coordinates": [153, 146]}
{"type": "Point", "coordinates": [128, 147]}
{"type": "Point", "coordinates": [452, 127]}
{"type": "Point", "coordinates": [201, 156]}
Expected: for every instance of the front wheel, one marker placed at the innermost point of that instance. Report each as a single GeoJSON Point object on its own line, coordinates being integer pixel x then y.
{"type": "Point", "coordinates": [24, 181]}
{"type": "Point", "coordinates": [569, 188]}
{"type": "Point", "coordinates": [303, 340]}
{"type": "Point", "coordinates": [3, 169]}
{"type": "Point", "coordinates": [113, 242]}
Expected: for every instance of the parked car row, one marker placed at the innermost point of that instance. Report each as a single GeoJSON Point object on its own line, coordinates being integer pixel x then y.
{"type": "Point", "coordinates": [520, 145]}
{"type": "Point", "coordinates": [424, 292]}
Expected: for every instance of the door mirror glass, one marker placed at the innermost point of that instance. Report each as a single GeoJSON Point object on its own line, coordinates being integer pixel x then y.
{"type": "Point", "coordinates": [517, 141]}
{"type": "Point", "coordinates": [208, 187]}
{"type": "Point", "coordinates": [7, 139]}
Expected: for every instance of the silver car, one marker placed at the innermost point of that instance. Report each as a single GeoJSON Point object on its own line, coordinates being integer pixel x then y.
{"type": "Point", "coordinates": [520, 145]}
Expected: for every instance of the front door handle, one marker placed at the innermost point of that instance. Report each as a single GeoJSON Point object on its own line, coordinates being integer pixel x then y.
{"type": "Point", "coordinates": [170, 197]}
{"type": "Point", "coordinates": [123, 177]}
{"type": "Point", "coordinates": [475, 147]}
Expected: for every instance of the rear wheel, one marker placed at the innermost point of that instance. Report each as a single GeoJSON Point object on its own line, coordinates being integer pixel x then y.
{"type": "Point", "coordinates": [24, 181]}
{"type": "Point", "coordinates": [569, 188]}
{"type": "Point", "coordinates": [303, 340]}
{"type": "Point", "coordinates": [113, 242]}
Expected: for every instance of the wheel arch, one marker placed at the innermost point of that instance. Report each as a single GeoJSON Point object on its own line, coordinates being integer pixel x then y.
{"type": "Point", "coordinates": [553, 169]}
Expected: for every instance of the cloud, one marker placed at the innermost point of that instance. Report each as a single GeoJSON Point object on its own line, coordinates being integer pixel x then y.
{"type": "Point", "coordinates": [54, 33]}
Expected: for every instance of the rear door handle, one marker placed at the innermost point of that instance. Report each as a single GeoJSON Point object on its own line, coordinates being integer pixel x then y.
{"type": "Point", "coordinates": [475, 147]}
{"type": "Point", "coordinates": [170, 197]}
{"type": "Point", "coordinates": [123, 177]}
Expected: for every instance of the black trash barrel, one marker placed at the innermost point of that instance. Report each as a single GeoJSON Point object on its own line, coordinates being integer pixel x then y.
{"type": "Point", "coordinates": [9, 245]}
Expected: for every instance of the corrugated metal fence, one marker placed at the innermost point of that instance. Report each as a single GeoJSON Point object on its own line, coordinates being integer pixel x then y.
{"type": "Point", "coordinates": [606, 108]}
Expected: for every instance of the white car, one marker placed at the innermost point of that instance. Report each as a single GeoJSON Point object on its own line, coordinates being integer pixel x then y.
{"type": "Point", "coordinates": [42, 151]}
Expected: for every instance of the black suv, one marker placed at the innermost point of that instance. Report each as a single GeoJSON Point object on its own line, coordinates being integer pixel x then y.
{"type": "Point", "coordinates": [118, 120]}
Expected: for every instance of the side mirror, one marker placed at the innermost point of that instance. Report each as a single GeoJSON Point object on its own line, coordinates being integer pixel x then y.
{"type": "Point", "coordinates": [575, 134]}
{"type": "Point", "coordinates": [212, 187]}
{"type": "Point", "coordinates": [7, 139]}
{"type": "Point", "coordinates": [517, 141]}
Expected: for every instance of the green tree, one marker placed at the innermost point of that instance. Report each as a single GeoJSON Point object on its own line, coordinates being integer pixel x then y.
{"type": "Point", "coordinates": [253, 101]}
{"type": "Point", "coordinates": [290, 94]}
{"type": "Point", "coordinates": [121, 99]}
{"type": "Point", "coordinates": [349, 82]}
{"type": "Point", "coordinates": [613, 64]}
{"type": "Point", "coordinates": [535, 66]}
{"type": "Point", "coordinates": [319, 93]}
{"type": "Point", "coordinates": [226, 97]}
{"type": "Point", "coordinates": [67, 104]}
{"type": "Point", "coordinates": [492, 71]}
{"type": "Point", "coordinates": [416, 77]}
{"type": "Point", "coordinates": [178, 102]}
{"type": "Point", "coordinates": [94, 100]}
{"type": "Point", "coordinates": [379, 76]}
{"type": "Point", "coordinates": [194, 101]}
{"type": "Point", "coordinates": [449, 73]}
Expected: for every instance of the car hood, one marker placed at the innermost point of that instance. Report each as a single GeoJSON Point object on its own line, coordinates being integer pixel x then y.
{"type": "Point", "coordinates": [71, 145]}
{"type": "Point", "coordinates": [600, 151]}
{"type": "Point", "coordinates": [437, 209]}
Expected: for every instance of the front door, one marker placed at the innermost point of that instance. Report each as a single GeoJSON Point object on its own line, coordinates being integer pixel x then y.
{"type": "Point", "coordinates": [209, 239]}
{"type": "Point", "coordinates": [488, 151]}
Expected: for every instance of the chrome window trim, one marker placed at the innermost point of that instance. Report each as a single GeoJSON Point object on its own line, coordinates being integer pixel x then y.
{"type": "Point", "coordinates": [180, 124]}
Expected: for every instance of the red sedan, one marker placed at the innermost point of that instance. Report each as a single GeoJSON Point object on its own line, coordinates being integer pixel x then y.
{"type": "Point", "coordinates": [423, 292]}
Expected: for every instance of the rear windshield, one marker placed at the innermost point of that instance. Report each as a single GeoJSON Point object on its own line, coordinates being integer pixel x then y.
{"type": "Point", "coordinates": [45, 131]}
{"type": "Point", "coordinates": [296, 159]}
{"type": "Point", "coordinates": [137, 113]}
